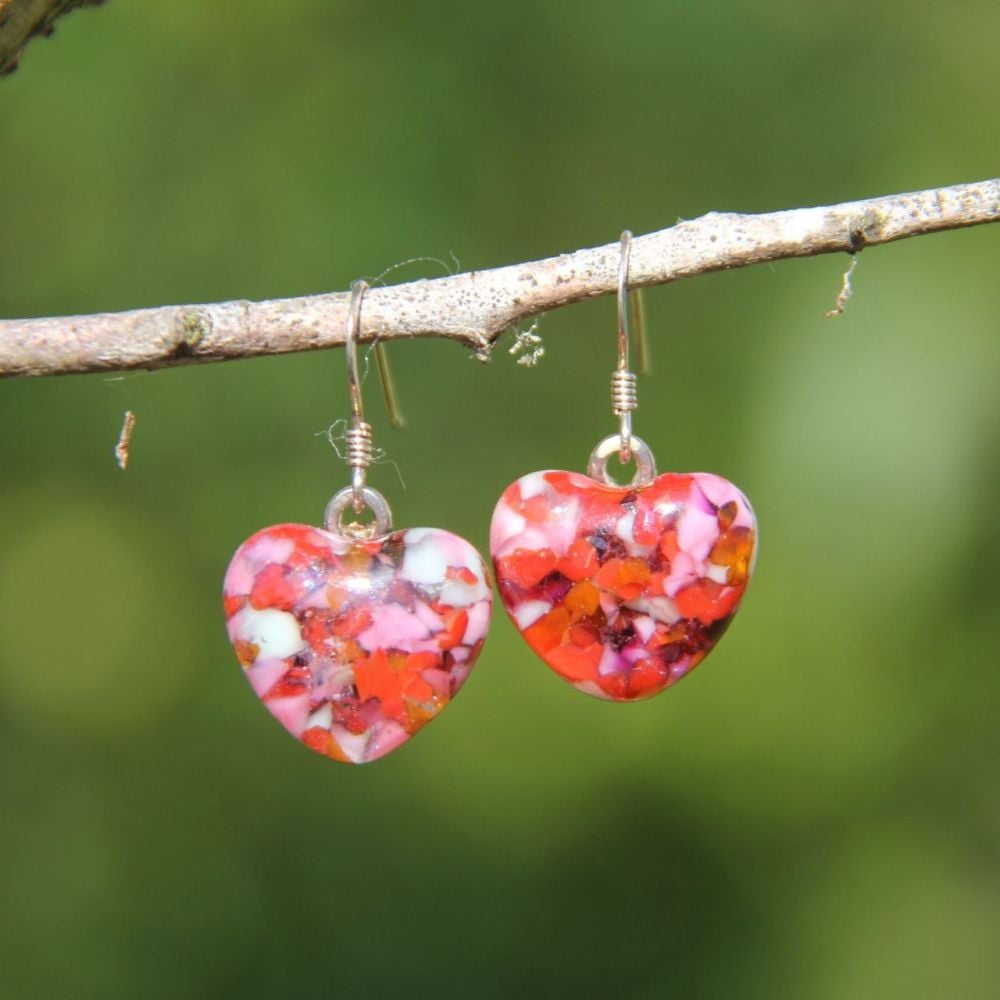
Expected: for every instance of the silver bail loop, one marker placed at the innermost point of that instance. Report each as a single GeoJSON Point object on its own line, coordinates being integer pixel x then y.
{"type": "Point", "coordinates": [333, 520]}
{"type": "Point", "coordinates": [645, 464]}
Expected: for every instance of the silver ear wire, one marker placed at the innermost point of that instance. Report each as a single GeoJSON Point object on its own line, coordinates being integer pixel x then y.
{"type": "Point", "coordinates": [624, 398]}
{"type": "Point", "coordinates": [359, 434]}
{"type": "Point", "coordinates": [623, 388]}
{"type": "Point", "coordinates": [358, 437]}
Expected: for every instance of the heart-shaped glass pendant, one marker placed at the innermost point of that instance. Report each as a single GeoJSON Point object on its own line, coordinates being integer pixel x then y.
{"type": "Point", "coordinates": [355, 638]}
{"type": "Point", "coordinates": [622, 590]}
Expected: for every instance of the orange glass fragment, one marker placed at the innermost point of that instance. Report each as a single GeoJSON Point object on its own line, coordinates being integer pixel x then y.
{"type": "Point", "coordinates": [584, 634]}
{"type": "Point", "coordinates": [271, 589]}
{"type": "Point", "coordinates": [528, 567]}
{"type": "Point", "coordinates": [624, 577]}
{"type": "Point", "coordinates": [645, 679]}
{"type": "Point", "coordinates": [707, 601]}
{"type": "Point", "coordinates": [583, 599]}
{"type": "Point", "coordinates": [246, 652]}
{"type": "Point", "coordinates": [232, 604]}
{"type": "Point", "coordinates": [375, 678]}
{"type": "Point", "coordinates": [727, 514]}
{"type": "Point", "coordinates": [580, 561]}
{"type": "Point", "coordinates": [323, 741]}
{"type": "Point", "coordinates": [454, 631]}
{"type": "Point", "coordinates": [426, 660]}
{"type": "Point", "coordinates": [735, 550]}
{"type": "Point", "coordinates": [417, 689]}
{"type": "Point", "coordinates": [668, 544]}
{"type": "Point", "coordinates": [548, 631]}
{"type": "Point", "coordinates": [574, 662]}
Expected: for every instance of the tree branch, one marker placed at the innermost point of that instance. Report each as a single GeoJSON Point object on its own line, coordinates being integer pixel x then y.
{"type": "Point", "coordinates": [21, 20]}
{"type": "Point", "coordinates": [475, 308]}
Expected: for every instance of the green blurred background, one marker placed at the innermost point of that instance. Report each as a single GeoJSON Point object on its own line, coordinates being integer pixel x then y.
{"type": "Point", "coordinates": [814, 814]}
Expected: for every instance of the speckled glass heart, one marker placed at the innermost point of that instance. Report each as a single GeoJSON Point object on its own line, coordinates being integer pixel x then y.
{"type": "Point", "coordinates": [352, 644]}
{"type": "Point", "coordinates": [622, 590]}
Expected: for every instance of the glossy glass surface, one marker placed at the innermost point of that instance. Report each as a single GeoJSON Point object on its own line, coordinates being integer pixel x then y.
{"type": "Point", "coordinates": [354, 646]}
{"type": "Point", "coordinates": [622, 591]}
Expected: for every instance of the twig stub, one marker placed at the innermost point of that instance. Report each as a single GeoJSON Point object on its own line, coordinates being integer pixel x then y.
{"type": "Point", "coordinates": [122, 448]}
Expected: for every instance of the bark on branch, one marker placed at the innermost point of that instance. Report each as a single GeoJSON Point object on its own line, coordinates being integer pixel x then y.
{"type": "Point", "coordinates": [477, 307]}
{"type": "Point", "coordinates": [22, 20]}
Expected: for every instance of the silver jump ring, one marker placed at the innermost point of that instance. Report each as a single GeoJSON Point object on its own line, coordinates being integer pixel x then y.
{"type": "Point", "coordinates": [645, 464]}
{"type": "Point", "coordinates": [373, 500]}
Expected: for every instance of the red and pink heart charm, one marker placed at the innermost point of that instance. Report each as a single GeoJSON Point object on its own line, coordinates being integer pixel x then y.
{"type": "Point", "coordinates": [355, 644]}
{"type": "Point", "coordinates": [622, 590]}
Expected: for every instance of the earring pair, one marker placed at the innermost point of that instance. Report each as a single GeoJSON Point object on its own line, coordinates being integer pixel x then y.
{"type": "Point", "coordinates": [355, 636]}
